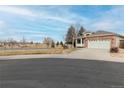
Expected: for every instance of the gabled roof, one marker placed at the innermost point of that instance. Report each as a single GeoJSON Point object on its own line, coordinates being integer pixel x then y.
{"type": "Point", "coordinates": [87, 32]}
{"type": "Point", "coordinates": [101, 32]}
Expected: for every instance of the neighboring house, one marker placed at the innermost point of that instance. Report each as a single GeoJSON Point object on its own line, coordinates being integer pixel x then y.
{"type": "Point", "coordinates": [100, 39]}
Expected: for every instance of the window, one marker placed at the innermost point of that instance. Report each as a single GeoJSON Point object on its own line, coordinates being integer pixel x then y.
{"type": "Point", "coordinates": [78, 41]}
{"type": "Point", "coordinates": [87, 34]}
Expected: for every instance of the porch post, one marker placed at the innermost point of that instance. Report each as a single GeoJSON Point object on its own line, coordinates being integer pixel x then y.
{"type": "Point", "coordinates": [81, 40]}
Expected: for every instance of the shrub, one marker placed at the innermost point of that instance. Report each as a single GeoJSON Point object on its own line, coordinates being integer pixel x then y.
{"type": "Point", "coordinates": [65, 46]}
{"type": "Point", "coordinates": [61, 43]}
{"type": "Point", "coordinates": [114, 50]}
{"type": "Point", "coordinates": [53, 44]}
{"type": "Point", "coordinates": [57, 43]}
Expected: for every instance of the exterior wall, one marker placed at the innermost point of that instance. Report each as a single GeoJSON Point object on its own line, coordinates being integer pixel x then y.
{"type": "Point", "coordinates": [117, 41]}
{"type": "Point", "coordinates": [86, 43]}
{"type": "Point", "coordinates": [121, 38]}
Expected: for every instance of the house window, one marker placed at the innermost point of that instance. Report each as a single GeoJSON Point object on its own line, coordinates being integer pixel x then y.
{"type": "Point", "coordinates": [87, 34]}
{"type": "Point", "coordinates": [78, 41]}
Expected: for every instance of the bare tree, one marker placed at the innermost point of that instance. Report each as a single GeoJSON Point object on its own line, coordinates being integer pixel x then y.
{"type": "Point", "coordinates": [23, 40]}
{"type": "Point", "coordinates": [31, 42]}
{"type": "Point", "coordinates": [71, 35]}
{"type": "Point", "coordinates": [48, 41]}
{"type": "Point", "coordinates": [77, 27]}
{"type": "Point", "coordinates": [11, 42]}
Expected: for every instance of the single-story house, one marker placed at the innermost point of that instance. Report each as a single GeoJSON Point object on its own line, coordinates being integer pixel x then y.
{"type": "Point", "coordinates": [100, 39]}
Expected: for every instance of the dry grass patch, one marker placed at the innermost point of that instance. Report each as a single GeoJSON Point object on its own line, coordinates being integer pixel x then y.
{"type": "Point", "coordinates": [69, 50]}
{"type": "Point", "coordinates": [28, 52]}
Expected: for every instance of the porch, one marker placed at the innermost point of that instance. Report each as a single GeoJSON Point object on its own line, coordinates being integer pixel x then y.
{"type": "Point", "coordinates": [79, 42]}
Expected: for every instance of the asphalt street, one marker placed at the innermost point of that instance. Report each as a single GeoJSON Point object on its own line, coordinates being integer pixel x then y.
{"type": "Point", "coordinates": [60, 73]}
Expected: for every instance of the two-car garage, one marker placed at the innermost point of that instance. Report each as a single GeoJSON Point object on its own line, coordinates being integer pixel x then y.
{"type": "Point", "coordinates": [101, 44]}
{"type": "Point", "coordinates": [102, 40]}
{"type": "Point", "coordinates": [105, 41]}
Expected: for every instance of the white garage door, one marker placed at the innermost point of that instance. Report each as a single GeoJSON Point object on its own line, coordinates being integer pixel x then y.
{"type": "Point", "coordinates": [103, 44]}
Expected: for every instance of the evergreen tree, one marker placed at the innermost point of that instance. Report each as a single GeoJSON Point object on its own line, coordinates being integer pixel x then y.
{"type": "Point", "coordinates": [57, 43]}
{"type": "Point", "coordinates": [53, 44]}
{"type": "Point", "coordinates": [61, 43]}
{"type": "Point", "coordinates": [81, 31]}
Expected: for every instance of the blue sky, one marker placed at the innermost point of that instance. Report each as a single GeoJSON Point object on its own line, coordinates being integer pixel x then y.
{"type": "Point", "coordinates": [36, 22]}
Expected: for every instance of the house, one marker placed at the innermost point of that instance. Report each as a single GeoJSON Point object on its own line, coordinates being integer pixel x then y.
{"type": "Point", "coordinates": [100, 39]}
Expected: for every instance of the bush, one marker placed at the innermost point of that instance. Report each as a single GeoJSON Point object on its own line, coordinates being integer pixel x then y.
{"type": "Point", "coordinates": [61, 43]}
{"type": "Point", "coordinates": [114, 50]}
{"type": "Point", "coordinates": [53, 45]}
{"type": "Point", "coordinates": [65, 46]}
{"type": "Point", "coordinates": [57, 43]}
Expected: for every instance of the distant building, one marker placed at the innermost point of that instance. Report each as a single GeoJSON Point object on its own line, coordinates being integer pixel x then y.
{"type": "Point", "coordinates": [100, 39]}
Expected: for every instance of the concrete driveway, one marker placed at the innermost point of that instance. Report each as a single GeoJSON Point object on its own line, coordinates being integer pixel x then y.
{"type": "Point", "coordinates": [91, 54]}
{"type": "Point", "coordinates": [84, 53]}
{"type": "Point", "coordinates": [80, 53]}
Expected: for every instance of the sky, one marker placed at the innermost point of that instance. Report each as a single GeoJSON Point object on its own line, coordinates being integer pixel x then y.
{"type": "Point", "coordinates": [37, 22]}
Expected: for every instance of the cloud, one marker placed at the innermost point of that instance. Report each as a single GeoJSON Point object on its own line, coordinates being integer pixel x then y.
{"type": "Point", "coordinates": [108, 20]}
{"type": "Point", "coordinates": [111, 20]}
{"type": "Point", "coordinates": [56, 19]}
{"type": "Point", "coordinates": [2, 24]}
{"type": "Point", "coordinates": [56, 13]}
{"type": "Point", "coordinates": [29, 13]}
{"type": "Point", "coordinates": [18, 34]}
{"type": "Point", "coordinates": [17, 10]}
{"type": "Point", "coordinates": [19, 31]}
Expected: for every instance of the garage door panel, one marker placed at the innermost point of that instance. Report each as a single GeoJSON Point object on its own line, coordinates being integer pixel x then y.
{"type": "Point", "coordinates": [102, 44]}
